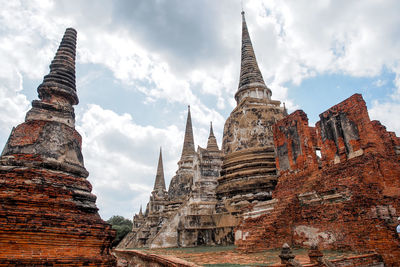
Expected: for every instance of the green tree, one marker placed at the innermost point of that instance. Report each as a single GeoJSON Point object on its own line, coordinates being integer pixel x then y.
{"type": "Point", "coordinates": [122, 227]}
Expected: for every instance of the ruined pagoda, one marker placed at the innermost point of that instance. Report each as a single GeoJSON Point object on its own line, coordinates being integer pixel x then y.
{"type": "Point", "coordinates": [146, 226]}
{"type": "Point", "coordinates": [197, 226]}
{"type": "Point", "coordinates": [159, 195]}
{"type": "Point", "coordinates": [194, 222]}
{"type": "Point", "coordinates": [159, 184]}
{"type": "Point", "coordinates": [248, 171]}
{"type": "Point", "coordinates": [181, 183]}
{"type": "Point", "coordinates": [212, 145]}
{"type": "Point", "coordinates": [49, 215]}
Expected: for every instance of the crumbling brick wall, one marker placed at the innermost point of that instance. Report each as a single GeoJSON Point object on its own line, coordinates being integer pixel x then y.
{"type": "Point", "coordinates": [348, 200]}
{"type": "Point", "coordinates": [294, 143]}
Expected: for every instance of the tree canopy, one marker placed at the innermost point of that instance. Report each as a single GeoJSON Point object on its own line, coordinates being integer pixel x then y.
{"type": "Point", "coordinates": [122, 227]}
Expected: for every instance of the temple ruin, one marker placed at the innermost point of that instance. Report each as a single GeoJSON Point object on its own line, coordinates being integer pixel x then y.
{"type": "Point", "coordinates": [277, 180]}
{"type": "Point", "coordinates": [48, 215]}
{"type": "Point", "coordinates": [212, 187]}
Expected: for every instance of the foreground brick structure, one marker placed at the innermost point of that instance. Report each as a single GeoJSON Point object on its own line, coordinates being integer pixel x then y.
{"type": "Point", "coordinates": [347, 199]}
{"type": "Point", "coordinates": [48, 215]}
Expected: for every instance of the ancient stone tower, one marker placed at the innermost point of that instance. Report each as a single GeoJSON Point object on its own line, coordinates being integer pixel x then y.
{"type": "Point", "coordinates": [248, 172]}
{"type": "Point", "coordinates": [48, 215]}
{"type": "Point", "coordinates": [158, 201]}
{"type": "Point", "coordinates": [181, 183]}
{"type": "Point", "coordinates": [186, 216]}
{"type": "Point", "coordinates": [203, 207]}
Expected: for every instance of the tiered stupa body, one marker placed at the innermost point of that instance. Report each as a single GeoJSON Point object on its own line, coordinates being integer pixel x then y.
{"type": "Point", "coordinates": [48, 214]}
{"type": "Point", "coordinates": [248, 171]}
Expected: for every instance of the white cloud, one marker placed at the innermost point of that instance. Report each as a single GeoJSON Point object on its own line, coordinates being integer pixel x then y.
{"type": "Point", "coordinates": [380, 83]}
{"type": "Point", "coordinates": [122, 155]}
{"type": "Point", "coordinates": [13, 104]}
{"type": "Point", "coordinates": [133, 65]}
{"type": "Point", "coordinates": [386, 111]}
{"type": "Point", "coordinates": [352, 37]}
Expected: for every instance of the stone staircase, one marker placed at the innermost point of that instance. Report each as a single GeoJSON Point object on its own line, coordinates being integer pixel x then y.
{"type": "Point", "coordinates": [252, 234]}
{"type": "Point", "coordinates": [167, 236]}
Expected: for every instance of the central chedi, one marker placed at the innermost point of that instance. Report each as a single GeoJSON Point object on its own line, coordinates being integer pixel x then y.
{"type": "Point", "coordinates": [48, 215]}
{"type": "Point", "coordinates": [248, 171]}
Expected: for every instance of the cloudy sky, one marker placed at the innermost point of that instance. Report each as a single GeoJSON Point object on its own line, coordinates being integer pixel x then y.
{"type": "Point", "coordinates": [141, 62]}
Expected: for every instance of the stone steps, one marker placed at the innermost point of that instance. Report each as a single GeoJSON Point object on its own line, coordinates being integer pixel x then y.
{"type": "Point", "coordinates": [271, 211]}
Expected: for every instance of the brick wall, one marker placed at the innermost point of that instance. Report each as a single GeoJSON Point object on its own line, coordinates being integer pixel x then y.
{"type": "Point", "coordinates": [44, 220]}
{"type": "Point", "coordinates": [350, 199]}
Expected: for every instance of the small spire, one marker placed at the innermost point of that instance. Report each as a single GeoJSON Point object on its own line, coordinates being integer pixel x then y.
{"type": "Point", "coordinates": [188, 142]}
{"type": "Point", "coordinates": [140, 211]}
{"type": "Point", "coordinates": [250, 74]}
{"type": "Point", "coordinates": [159, 184]}
{"type": "Point", "coordinates": [284, 109]}
{"type": "Point", "coordinates": [57, 92]}
{"type": "Point", "coordinates": [61, 79]}
{"type": "Point", "coordinates": [212, 142]}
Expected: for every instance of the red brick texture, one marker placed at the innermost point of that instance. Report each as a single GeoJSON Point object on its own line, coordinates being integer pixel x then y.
{"type": "Point", "coordinates": [48, 215]}
{"type": "Point", "coordinates": [350, 200]}
{"type": "Point", "coordinates": [41, 223]}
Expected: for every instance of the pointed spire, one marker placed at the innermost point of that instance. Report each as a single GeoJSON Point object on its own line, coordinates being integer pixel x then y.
{"type": "Point", "coordinates": [140, 211]}
{"type": "Point", "coordinates": [284, 109]}
{"type": "Point", "coordinates": [57, 92]}
{"type": "Point", "coordinates": [159, 184]}
{"type": "Point", "coordinates": [61, 79]}
{"type": "Point", "coordinates": [188, 142]}
{"type": "Point", "coordinates": [211, 129]}
{"type": "Point", "coordinates": [212, 142]}
{"type": "Point", "coordinates": [250, 74]}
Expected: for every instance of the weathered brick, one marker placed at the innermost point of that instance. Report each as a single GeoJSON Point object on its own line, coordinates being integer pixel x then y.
{"type": "Point", "coordinates": [48, 215]}
{"type": "Point", "coordinates": [348, 201]}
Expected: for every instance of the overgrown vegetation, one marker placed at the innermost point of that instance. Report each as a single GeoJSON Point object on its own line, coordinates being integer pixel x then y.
{"type": "Point", "coordinates": [122, 227]}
